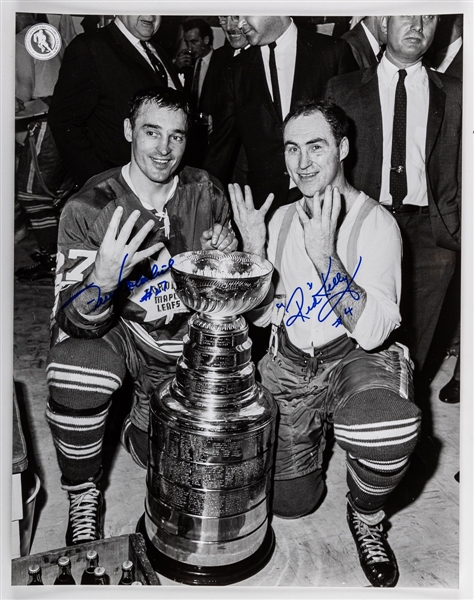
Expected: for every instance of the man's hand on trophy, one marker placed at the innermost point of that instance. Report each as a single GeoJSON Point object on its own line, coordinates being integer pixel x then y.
{"type": "Point", "coordinates": [249, 220]}
{"type": "Point", "coordinates": [219, 238]}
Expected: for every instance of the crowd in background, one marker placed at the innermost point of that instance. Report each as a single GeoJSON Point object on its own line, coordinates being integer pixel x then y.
{"type": "Point", "coordinates": [236, 83]}
{"type": "Point", "coordinates": [79, 132]}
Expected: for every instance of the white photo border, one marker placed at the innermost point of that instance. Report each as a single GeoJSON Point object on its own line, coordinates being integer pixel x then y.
{"type": "Point", "coordinates": [206, 7]}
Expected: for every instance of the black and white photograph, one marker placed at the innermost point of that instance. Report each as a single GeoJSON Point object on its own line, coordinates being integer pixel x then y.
{"type": "Point", "coordinates": [237, 280]}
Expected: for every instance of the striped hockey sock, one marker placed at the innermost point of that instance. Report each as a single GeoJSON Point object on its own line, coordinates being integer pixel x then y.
{"type": "Point", "coordinates": [78, 442]}
{"type": "Point", "coordinates": [82, 376]}
{"type": "Point", "coordinates": [370, 488]}
{"type": "Point", "coordinates": [379, 430]}
{"type": "Point", "coordinates": [43, 215]}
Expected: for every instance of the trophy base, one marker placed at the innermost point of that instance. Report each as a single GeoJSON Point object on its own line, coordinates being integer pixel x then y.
{"type": "Point", "coordinates": [196, 575]}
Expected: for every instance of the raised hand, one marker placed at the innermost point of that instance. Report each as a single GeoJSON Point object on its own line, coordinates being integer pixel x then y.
{"type": "Point", "coordinates": [183, 59]}
{"type": "Point", "coordinates": [320, 228]}
{"type": "Point", "coordinates": [118, 254]}
{"type": "Point", "coordinates": [249, 220]}
{"type": "Point", "coordinates": [219, 238]}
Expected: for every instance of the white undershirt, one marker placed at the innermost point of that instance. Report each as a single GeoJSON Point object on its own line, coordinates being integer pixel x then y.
{"type": "Point", "coordinates": [379, 246]}
{"type": "Point", "coordinates": [164, 213]}
{"type": "Point", "coordinates": [417, 88]}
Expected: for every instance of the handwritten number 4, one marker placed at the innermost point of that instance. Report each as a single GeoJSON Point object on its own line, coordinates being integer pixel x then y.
{"type": "Point", "coordinates": [338, 321]}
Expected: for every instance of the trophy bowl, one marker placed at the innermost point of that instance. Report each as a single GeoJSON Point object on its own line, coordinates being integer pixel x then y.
{"type": "Point", "coordinates": [221, 285]}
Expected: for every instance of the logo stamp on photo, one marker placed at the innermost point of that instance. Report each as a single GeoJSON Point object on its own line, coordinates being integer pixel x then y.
{"type": "Point", "coordinates": [43, 41]}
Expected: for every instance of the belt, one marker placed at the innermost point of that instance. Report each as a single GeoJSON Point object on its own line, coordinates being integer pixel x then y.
{"type": "Point", "coordinates": [407, 208]}
{"type": "Point", "coordinates": [333, 350]}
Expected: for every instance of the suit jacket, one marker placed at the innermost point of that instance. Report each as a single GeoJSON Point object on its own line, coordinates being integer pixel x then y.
{"type": "Point", "coordinates": [219, 60]}
{"type": "Point", "coordinates": [358, 94]}
{"type": "Point", "coordinates": [100, 73]}
{"type": "Point", "coordinates": [198, 134]}
{"type": "Point", "coordinates": [360, 45]}
{"type": "Point", "coordinates": [245, 112]}
{"type": "Point", "coordinates": [455, 68]}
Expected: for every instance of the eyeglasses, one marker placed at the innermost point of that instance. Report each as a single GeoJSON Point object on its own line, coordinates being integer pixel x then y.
{"type": "Point", "coordinates": [223, 20]}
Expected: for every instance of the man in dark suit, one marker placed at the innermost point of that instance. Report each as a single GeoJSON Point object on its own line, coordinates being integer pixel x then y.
{"type": "Point", "coordinates": [100, 73]}
{"type": "Point", "coordinates": [421, 186]}
{"type": "Point", "coordinates": [252, 109]}
{"type": "Point", "coordinates": [446, 56]}
{"type": "Point", "coordinates": [194, 62]}
{"type": "Point", "coordinates": [367, 41]}
{"type": "Point", "coordinates": [220, 59]}
{"type": "Point", "coordinates": [198, 38]}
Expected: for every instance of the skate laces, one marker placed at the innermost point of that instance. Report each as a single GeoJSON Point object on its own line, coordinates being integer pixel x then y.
{"type": "Point", "coordinates": [371, 540]}
{"type": "Point", "coordinates": [84, 515]}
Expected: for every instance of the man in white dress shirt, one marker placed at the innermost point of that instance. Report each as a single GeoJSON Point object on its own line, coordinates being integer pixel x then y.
{"type": "Point", "coordinates": [198, 37]}
{"type": "Point", "coordinates": [282, 65]}
{"type": "Point", "coordinates": [194, 65]}
{"type": "Point", "coordinates": [337, 256]}
{"type": "Point", "coordinates": [407, 134]}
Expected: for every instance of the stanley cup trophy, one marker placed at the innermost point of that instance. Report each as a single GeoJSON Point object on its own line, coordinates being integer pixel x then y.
{"type": "Point", "coordinates": [212, 431]}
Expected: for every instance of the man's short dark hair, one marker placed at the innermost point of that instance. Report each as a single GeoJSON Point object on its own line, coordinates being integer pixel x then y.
{"type": "Point", "coordinates": [160, 96]}
{"type": "Point", "coordinates": [334, 115]}
{"type": "Point", "coordinates": [205, 30]}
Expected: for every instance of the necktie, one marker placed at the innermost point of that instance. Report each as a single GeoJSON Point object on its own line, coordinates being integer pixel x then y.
{"type": "Point", "coordinates": [156, 63]}
{"type": "Point", "coordinates": [380, 54]}
{"type": "Point", "coordinates": [274, 79]}
{"type": "Point", "coordinates": [195, 85]}
{"type": "Point", "coordinates": [398, 175]}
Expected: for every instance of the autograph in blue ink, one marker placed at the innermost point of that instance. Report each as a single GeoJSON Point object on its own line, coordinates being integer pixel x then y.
{"type": "Point", "coordinates": [326, 298]}
{"type": "Point", "coordinates": [149, 293]}
{"type": "Point", "coordinates": [153, 291]}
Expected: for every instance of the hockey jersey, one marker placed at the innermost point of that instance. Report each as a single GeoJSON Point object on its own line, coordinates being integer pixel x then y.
{"type": "Point", "coordinates": [146, 301]}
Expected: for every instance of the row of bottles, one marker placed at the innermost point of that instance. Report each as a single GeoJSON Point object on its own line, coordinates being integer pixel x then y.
{"type": "Point", "coordinates": [93, 574]}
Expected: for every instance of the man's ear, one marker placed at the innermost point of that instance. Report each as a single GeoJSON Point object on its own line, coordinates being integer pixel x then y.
{"type": "Point", "coordinates": [343, 149]}
{"type": "Point", "coordinates": [207, 41]}
{"type": "Point", "coordinates": [384, 24]}
{"type": "Point", "coordinates": [127, 130]}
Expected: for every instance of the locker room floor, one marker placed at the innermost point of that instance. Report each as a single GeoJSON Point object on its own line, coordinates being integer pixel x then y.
{"type": "Point", "coordinates": [314, 551]}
